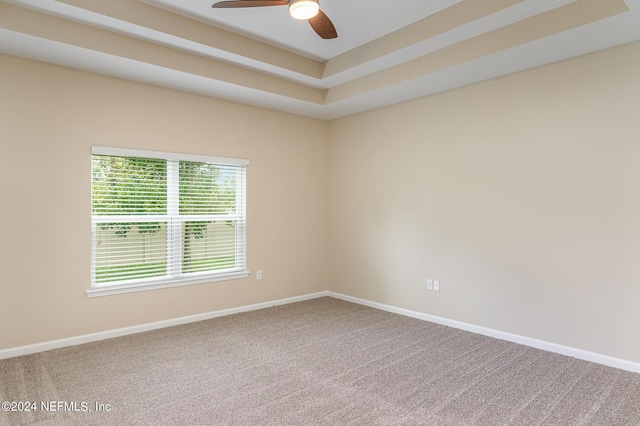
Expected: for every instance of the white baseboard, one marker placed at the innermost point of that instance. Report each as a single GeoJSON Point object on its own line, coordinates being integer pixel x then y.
{"type": "Point", "coordinates": [71, 341]}
{"type": "Point", "coordinates": [527, 341]}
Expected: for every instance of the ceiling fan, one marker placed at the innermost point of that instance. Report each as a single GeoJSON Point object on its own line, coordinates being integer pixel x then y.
{"type": "Point", "coordinates": [308, 10]}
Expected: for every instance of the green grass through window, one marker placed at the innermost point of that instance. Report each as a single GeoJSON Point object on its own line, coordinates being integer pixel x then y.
{"type": "Point", "coordinates": [107, 274]}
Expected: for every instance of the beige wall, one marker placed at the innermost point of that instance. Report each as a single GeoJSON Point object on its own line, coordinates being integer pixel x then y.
{"type": "Point", "coordinates": [520, 194]}
{"type": "Point", "coordinates": [49, 118]}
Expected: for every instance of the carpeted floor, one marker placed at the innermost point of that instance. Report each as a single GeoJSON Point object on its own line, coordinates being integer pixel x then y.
{"type": "Point", "coordinates": [319, 362]}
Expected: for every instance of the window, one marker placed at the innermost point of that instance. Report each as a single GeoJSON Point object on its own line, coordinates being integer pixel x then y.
{"type": "Point", "coordinates": [161, 220]}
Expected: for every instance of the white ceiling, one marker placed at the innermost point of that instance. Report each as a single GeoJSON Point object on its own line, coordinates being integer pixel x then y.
{"type": "Point", "coordinates": [357, 22]}
{"type": "Point", "coordinates": [387, 51]}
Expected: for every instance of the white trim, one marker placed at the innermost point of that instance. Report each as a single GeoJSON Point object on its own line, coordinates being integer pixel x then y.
{"type": "Point", "coordinates": [87, 338]}
{"type": "Point", "coordinates": [174, 227]}
{"type": "Point", "coordinates": [162, 155]}
{"type": "Point", "coordinates": [164, 217]}
{"type": "Point", "coordinates": [502, 335]}
{"type": "Point", "coordinates": [144, 284]}
{"type": "Point", "coordinates": [527, 341]}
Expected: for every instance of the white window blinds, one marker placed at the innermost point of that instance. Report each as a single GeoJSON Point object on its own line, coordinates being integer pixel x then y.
{"type": "Point", "coordinates": [165, 218]}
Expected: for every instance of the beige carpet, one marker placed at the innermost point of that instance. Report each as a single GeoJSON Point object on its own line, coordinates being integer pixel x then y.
{"type": "Point", "coordinates": [320, 362]}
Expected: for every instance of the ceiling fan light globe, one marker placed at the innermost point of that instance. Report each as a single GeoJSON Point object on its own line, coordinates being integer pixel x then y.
{"type": "Point", "coordinates": [303, 9]}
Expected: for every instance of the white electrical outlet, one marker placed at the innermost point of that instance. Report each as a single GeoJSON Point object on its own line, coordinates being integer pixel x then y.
{"type": "Point", "coordinates": [429, 284]}
{"type": "Point", "coordinates": [258, 275]}
{"type": "Point", "coordinates": [436, 285]}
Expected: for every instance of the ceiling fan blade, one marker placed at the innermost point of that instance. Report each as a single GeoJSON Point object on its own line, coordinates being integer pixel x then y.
{"type": "Point", "coordinates": [323, 26]}
{"type": "Point", "coordinates": [249, 3]}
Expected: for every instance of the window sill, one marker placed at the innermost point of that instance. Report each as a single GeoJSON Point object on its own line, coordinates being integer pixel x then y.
{"type": "Point", "coordinates": [109, 290]}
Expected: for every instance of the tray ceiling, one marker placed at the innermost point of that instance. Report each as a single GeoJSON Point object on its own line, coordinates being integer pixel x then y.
{"type": "Point", "coordinates": [386, 52]}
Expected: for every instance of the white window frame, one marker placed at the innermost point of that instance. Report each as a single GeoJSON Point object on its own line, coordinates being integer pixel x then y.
{"type": "Point", "coordinates": [173, 277]}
